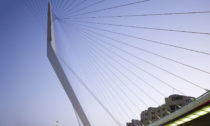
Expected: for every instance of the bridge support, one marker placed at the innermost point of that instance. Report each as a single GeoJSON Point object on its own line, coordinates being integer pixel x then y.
{"type": "Point", "coordinates": [51, 53]}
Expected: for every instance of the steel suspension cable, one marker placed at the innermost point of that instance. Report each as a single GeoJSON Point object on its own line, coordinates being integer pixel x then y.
{"type": "Point", "coordinates": [91, 93]}
{"type": "Point", "coordinates": [158, 42]}
{"type": "Point", "coordinates": [88, 6]}
{"type": "Point", "coordinates": [143, 15]}
{"type": "Point", "coordinates": [148, 73]}
{"type": "Point", "coordinates": [143, 27]}
{"type": "Point", "coordinates": [143, 81]}
{"type": "Point", "coordinates": [107, 87]}
{"type": "Point", "coordinates": [147, 40]}
{"type": "Point", "coordinates": [132, 73]}
{"type": "Point", "coordinates": [64, 3]}
{"type": "Point", "coordinates": [76, 6]}
{"type": "Point", "coordinates": [113, 7]}
{"type": "Point", "coordinates": [55, 4]}
{"type": "Point", "coordinates": [70, 5]}
{"type": "Point", "coordinates": [67, 4]}
{"type": "Point", "coordinates": [136, 75]}
{"type": "Point", "coordinates": [148, 62]}
{"type": "Point", "coordinates": [137, 86]}
{"type": "Point", "coordinates": [110, 91]}
{"type": "Point", "coordinates": [136, 95]}
{"type": "Point", "coordinates": [118, 62]}
{"type": "Point", "coordinates": [118, 95]}
{"type": "Point", "coordinates": [59, 4]}
{"type": "Point", "coordinates": [123, 92]}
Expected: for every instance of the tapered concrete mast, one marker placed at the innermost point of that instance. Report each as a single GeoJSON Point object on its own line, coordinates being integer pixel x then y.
{"type": "Point", "coordinates": [51, 53]}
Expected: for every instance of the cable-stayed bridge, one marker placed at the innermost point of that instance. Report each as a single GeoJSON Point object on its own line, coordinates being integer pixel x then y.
{"type": "Point", "coordinates": [123, 72]}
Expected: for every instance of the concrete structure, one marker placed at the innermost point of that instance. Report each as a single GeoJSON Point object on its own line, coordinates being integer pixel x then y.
{"type": "Point", "coordinates": [134, 123]}
{"type": "Point", "coordinates": [172, 103]}
{"type": "Point", "coordinates": [54, 60]}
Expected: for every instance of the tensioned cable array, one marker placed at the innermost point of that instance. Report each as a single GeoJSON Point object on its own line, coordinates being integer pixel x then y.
{"type": "Point", "coordinates": [160, 43]}
{"type": "Point", "coordinates": [165, 30]}
{"type": "Point", "coordinates": [128, 97]}
{"type": "Point", "coordinates": [150, 41]}
{"type": "Point", "coordinates": [123, 100]}
{"type": "Point", "coordinates": [120, 89]}
{"type": "Point", "coordinates": [141, 59]}
{"type": "Point", "coordinates": [92, 94]}
{"type": "Point", "coordinates": [132, 72]}
{"type": "Point", "coordinates": [150, 74]}
{"type": "Point", "coordinates": [76, 6]}
{"type": "Point", "coordinates": [143, 27]}
{"type": "Point", "coordinates": [144, 15]}
{"type": "Point", "coordinates": [126, 76]}
{"type": "Point", "coordinates": [128, 88]}
{"type": "Point", "coordinates": [110, 8]}
{"type": "Point", "coordinates": [138, 87]}
{"type": "Point", "coordinates": [69, 5]}
{"type": "Point", "coordinates": [119, 101]}
{"type": "Point", "coordinates": [123, 82]}
{"type": "Point", "coordinates": [110, 89]}
{"type": "Point", "coordinates": [102, 51]}
{"type": "Point", "coordinates": [117, 86]}
{"type": "Point", "coordinates": [88, 6]}
{"type": "Point", "coordinates": [94, 52]}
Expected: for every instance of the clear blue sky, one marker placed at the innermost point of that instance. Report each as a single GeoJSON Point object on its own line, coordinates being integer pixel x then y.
{"type": "Point", "coordinates": [30, 93]}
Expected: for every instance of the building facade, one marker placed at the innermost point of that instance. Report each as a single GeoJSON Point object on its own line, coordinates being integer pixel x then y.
{"type": "Point", "coordinates": [172, 103]}
{"type": "Point", "coordinates": [134, 123]}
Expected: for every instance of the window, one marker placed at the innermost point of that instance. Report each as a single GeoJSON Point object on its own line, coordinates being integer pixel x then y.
{"type": "Point", "coordinates": [173, 108]}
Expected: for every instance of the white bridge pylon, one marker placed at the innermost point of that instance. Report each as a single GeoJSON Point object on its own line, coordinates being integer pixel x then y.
{"type": "Point", "coordinates": [51, 53]}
